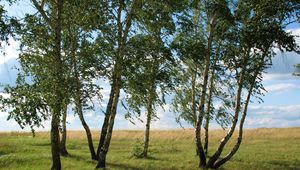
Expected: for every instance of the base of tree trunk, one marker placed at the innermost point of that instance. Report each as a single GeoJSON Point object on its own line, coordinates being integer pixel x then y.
{"type": "Point", "coordinates": [95, 158]}
{"type": "Point", "coordinates": [55, 167]}
{"type": "Point", "coordinates": [202, 164]}
{"type": "Point", "coordinates": [64, 152]}
{"type": "Point", "coordinates": [102, 161]}
{"type": "Point", "coordinates": [55, 145]}
{"type": "Point", "coordinates": [144, 154]}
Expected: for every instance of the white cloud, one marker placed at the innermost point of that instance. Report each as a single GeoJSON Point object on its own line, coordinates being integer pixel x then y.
{"type": "Point", "coordinates": [3, 115]}
{"type": "Point", "coordinates": [275, 108]}
{"type": "Point", "coordinates": [277, 76]}
{"type": "Point", "coordinates": [70, 118]}
{"type": "Point", "coordinates": [166, 120]}
{"type": "Point", "coordinates": [89, 114]}
{"type": "Point", "coordinates": [271, 123]}
{"type": "Point", "coordinates": [105, 93]}
{"type": "Point", "coordinates": [5, 95]}
{"type": "Point", "coordinates": [283, 64]}
{"type": "Point", "coordinates": [281, 87]}
{"type": "Point", "coordinates": [273, 116]}
{"type": "Point", "coordinates": [296, 32]}
{"type": "Point", "coordinates": [10, 51]}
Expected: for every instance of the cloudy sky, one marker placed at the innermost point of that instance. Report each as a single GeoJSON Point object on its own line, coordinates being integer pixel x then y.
{"type": "Point", "coordinates": [281, 107]}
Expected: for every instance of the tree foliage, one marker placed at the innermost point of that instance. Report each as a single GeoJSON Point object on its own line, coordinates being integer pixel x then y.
{"type": "Point", "coordinates": [209, 54]}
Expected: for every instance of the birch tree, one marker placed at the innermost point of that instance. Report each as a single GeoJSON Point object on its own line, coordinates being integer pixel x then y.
{"type": "Point", "coordinates": [199, 45]}
{"type": "Point", "coordinates": [34, 50]}
{"type": "Point", "coordinates": [255, 29]}
{"type": "Point", "coordinates": [85, 61]}
{"type": "Point", "coordinates": [121, 26]}
{"type": "Point", "coordinates": [146, 86]}
{"type": "Point", "coordinates": [149, 70]}
{"type": "Point", "coordinates": [42, 63]}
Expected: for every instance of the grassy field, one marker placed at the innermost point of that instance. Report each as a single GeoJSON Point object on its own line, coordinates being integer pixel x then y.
{"type": "Point", "coordinates": [261, 149]}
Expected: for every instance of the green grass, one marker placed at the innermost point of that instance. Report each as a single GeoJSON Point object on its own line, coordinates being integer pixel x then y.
{"type": "Point", "coordinates": [260, 149]}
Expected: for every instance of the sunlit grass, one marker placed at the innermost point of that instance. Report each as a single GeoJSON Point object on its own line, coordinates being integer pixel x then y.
{"type": "Point", "coordinates": [261, 149]}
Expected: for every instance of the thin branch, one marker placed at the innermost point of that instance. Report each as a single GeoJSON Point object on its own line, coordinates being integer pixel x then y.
{"type": "Point", "coordinates": [40, 8]}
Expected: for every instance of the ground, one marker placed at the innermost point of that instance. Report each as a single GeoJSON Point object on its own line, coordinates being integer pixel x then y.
{"type": "Point", "coordinates": [261, 149]}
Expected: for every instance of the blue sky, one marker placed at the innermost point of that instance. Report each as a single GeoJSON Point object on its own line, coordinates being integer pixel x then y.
{"type": "Point", "coordinates": [281, 107]}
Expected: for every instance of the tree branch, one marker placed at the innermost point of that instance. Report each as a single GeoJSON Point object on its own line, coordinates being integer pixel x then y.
{"type": "Point", "coordinates": [41, 10]}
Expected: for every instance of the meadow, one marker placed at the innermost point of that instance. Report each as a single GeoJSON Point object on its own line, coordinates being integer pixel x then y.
{"type": "Point", "coordinates": [173, 149]}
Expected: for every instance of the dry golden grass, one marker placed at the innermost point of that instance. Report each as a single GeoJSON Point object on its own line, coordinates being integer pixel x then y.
{"type": "Point", "coordinates": [260, 133]}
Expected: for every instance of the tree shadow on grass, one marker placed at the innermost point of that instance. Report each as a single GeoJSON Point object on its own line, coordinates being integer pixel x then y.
{"type": "Point", "coordinates": [76, 157]}
{"type": "Point", "coordinates": [4, 153]}
{"type": "Point", "coordinates": [145, 158]}
{"type": "Point", "coordinates": [109, 165]}
{"type": "Point", "coordinates": [121, 166]}
{"type": "Point", "coordinates": [152, 158]}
